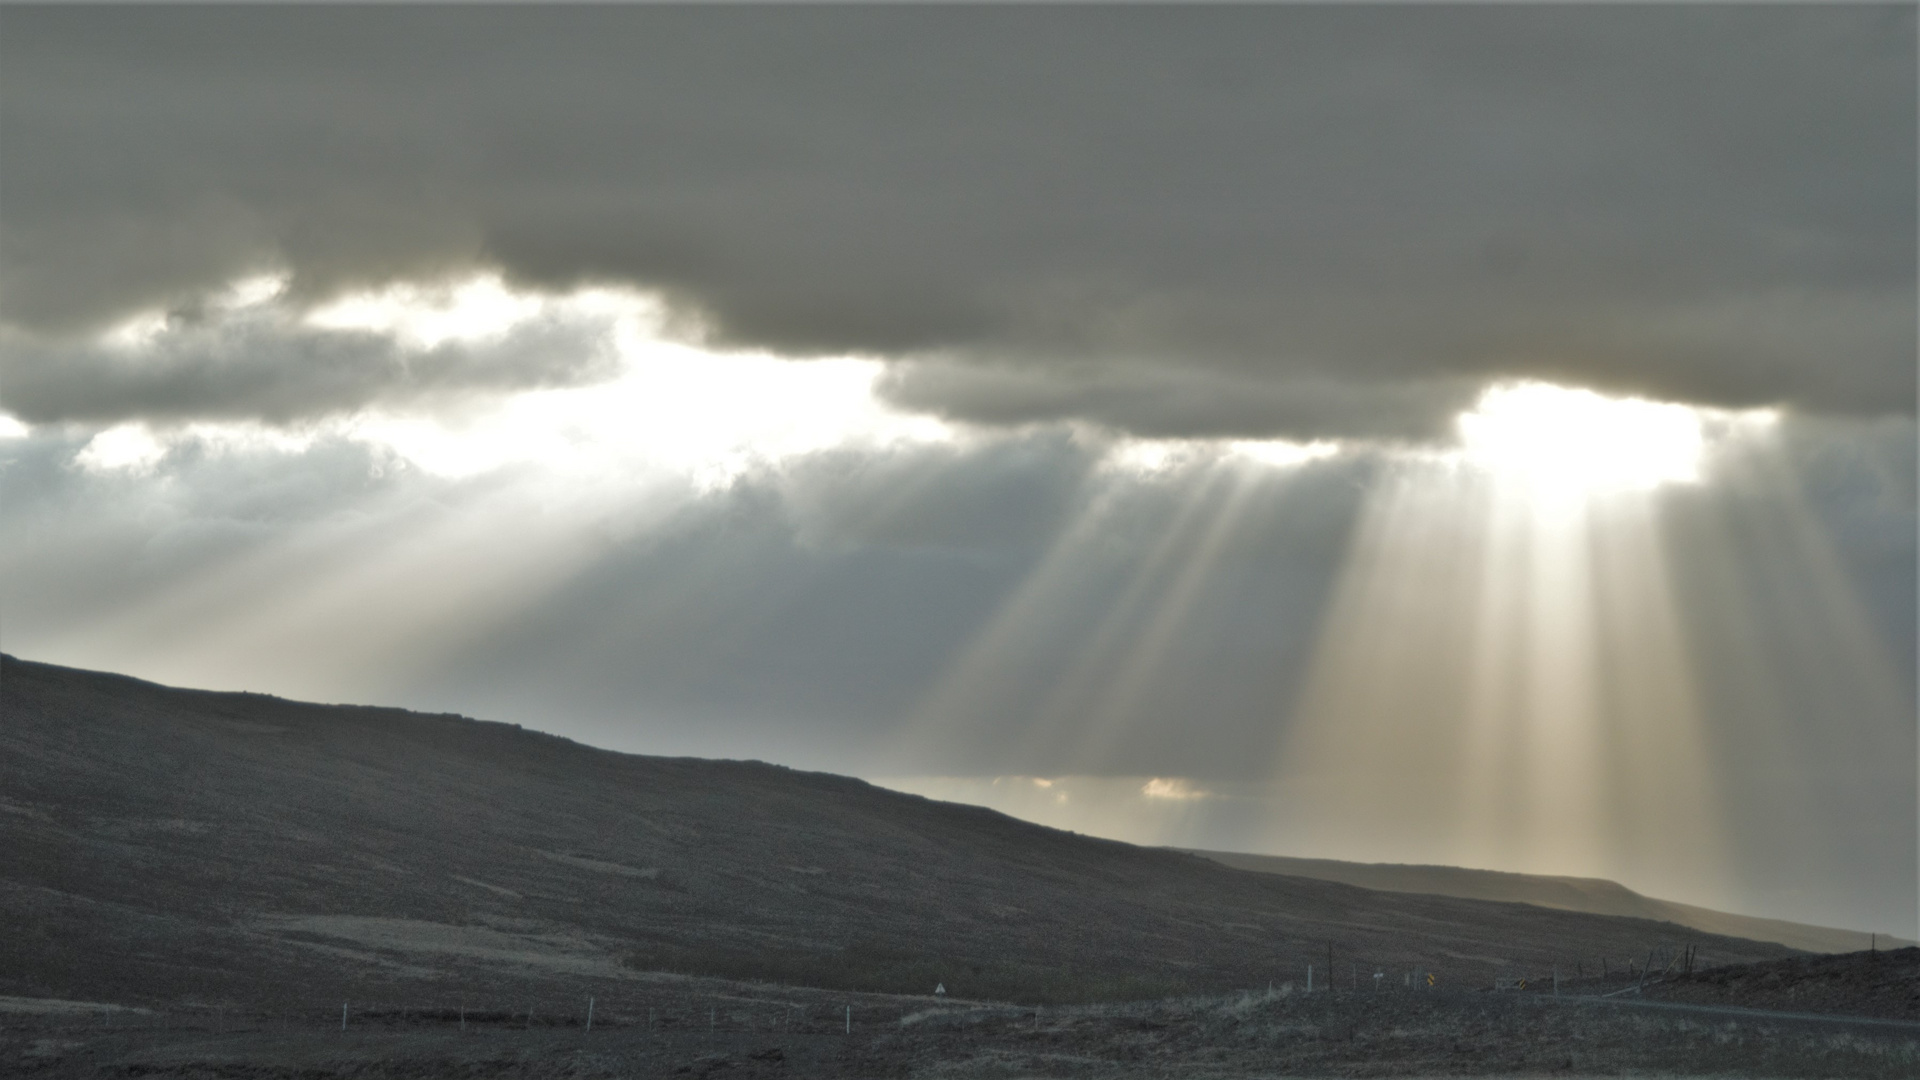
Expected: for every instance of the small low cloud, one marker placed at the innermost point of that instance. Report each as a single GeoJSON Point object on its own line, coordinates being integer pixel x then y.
{"type": "Point", "coordinates": [1172, 788]}
{"type": "Point", "coordinates": [126, 447]}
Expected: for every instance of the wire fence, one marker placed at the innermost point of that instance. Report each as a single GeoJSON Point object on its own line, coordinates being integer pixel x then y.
{"type": "Point", "coordinates": [797, 1011]}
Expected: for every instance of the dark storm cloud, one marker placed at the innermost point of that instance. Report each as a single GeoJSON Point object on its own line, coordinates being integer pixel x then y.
{"type": "Point", "coordinates": [1346, 211]}
{"type": "Point", "coordinates": [1161, 401]}
{"type": "Point", "coordinates": [266, 365]}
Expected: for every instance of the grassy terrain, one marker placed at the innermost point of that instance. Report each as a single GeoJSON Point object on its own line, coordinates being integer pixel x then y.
{"type": "Point", "coordinates": [709, 1030]}
{"type": "Point", "coordinates": [875, 968]}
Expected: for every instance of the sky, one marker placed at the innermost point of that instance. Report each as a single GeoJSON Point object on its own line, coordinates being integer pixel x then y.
{"type": "Point", "coordinates": [1479, 435]}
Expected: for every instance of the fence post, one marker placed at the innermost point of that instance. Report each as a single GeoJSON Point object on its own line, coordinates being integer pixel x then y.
{"type": "Point", "coordinates": [343, 1016]}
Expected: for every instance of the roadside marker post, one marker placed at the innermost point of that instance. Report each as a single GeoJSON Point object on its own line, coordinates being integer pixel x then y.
{"type": "Point", "coordinates": [343, 1016]}
{"type": "Point", "coordinates": [849, 1019]}
{"type": "Point", "coordinates": [589, 1012]}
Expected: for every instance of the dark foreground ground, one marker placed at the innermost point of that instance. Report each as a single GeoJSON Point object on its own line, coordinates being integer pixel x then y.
{"type": "Point", "coordinates": [226, 870]}
{"type": "Point", "coordinates": [769, 1032]}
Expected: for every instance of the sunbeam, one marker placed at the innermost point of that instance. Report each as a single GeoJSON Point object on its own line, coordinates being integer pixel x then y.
{"type": "Point", "coordinates": [1504, 676]}
{"type": "Point", "coordinates": [370, 598]}
{"type": "Point", "coordinates": [1073, 659]}
{"type": "Point", "coordinates": [1078, 718]}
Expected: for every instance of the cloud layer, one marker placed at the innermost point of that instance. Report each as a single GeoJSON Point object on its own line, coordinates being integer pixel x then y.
{"type": "Point", "coordinates": [265, 364]}
{"type": "Point", "coordinates": [1272, 220]}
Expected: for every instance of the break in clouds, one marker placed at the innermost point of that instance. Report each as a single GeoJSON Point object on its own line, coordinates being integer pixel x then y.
{"type": "Point", "coordinates": [983, 399]}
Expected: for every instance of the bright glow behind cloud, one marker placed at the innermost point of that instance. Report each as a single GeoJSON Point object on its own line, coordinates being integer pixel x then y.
{"type": "Point", "coordinates": [674, 406]}
{"type": "Point", "coordinates": [476, 308]}
{"type": "Point", "coordinates": [1558, 437]}
{"type": "Point", "coordinates": [670, 407]}
{"type": "Point", "coordinates": [128, 447]}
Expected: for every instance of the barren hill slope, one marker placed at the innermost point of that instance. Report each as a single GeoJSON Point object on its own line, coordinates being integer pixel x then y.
{"type": "Point", "coordinates": [1883, 984]}
{"type": "Point", "coordinates": [163, 845]}
{"type": "Point", "coordinates": [1594, 895]}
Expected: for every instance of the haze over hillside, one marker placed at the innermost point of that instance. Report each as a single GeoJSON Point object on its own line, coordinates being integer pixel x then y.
{"type": "Point", "coordinates": [222, 845]}
{"type": "Point", "coordinates": [1595, 895]}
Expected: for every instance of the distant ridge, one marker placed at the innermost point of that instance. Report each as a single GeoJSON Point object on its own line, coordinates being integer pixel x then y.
{"type": "Point", "coordinates": [1596, 896]}
{"type": "Point", "coordinates": [165, 846]}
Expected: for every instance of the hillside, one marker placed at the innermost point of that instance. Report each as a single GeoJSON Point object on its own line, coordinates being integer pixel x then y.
{"type": "Point", "coordinates": [1884, 984]}
{"type": "Point", "coordinates": [1593, 895]}
{"type": "Point", "coordinates": [169, 845]}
